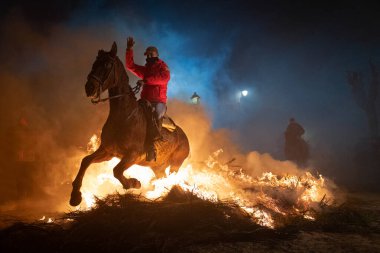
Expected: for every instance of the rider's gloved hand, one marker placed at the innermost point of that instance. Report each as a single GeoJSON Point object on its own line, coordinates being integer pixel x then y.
{"type": "Point", "coordinates": [140, 82]}
{"type": "Point", "coordinates": [130, 43]}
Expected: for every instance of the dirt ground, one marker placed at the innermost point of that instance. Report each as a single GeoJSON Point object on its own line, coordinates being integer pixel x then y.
{"type": "Point", "coordinates": [305, 242]}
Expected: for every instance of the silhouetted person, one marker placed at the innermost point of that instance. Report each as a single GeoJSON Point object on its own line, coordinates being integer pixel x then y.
{"type": "Point", "coordinates": [294, 130]}
{"type": "Point", "coordinates": [296, 149]}
{"type": "Point", "coordinates": [195, 98]}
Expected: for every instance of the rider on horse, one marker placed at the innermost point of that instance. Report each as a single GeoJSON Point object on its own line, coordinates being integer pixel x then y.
{"type": "Point", "coordinates": [155, 76]}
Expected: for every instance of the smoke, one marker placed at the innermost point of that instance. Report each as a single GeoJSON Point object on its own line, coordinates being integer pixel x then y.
{"type": "Point", "coordinates": [44, 67]}
{"type": "Point", "coordinates": [205, 140]}
{"type": "Point", "coordinates": [47, 118]}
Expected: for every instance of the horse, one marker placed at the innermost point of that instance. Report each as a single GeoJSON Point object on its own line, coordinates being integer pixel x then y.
{"type": "Point", "coordinates": [296, 150]}
{"type": "Point", "coordinates": [124, 132]}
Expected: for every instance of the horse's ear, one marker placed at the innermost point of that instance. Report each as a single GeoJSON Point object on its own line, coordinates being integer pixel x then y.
{"type": "Point", "coordinates": [113, 49]}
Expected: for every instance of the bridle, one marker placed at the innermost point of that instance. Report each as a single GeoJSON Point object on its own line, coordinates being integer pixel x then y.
{"type": "Point", "coordinates": [101, 83]}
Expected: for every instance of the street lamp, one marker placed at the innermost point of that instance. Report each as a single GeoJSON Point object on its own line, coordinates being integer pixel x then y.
{"type": "Point", "coordinates": [240, 97]}
{"type": "Point", "coordinates": [195, 98]}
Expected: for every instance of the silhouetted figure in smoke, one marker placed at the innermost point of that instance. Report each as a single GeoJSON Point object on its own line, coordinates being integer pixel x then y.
{"type": "Point", "coordinates": [195, 99]}
{"type": "Point", "coordinates": [296, 149]}
{"type": "Point", "coordinates": [366, 100]}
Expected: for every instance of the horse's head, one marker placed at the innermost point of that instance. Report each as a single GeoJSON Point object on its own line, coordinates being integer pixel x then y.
{"type": "Point", "coordinates": [103, 73]}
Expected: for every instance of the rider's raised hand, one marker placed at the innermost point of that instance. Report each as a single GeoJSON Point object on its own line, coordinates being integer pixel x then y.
{"type": "Point", "coordinates": [140, 82]}
{"type": "Point", "coordinates": [130, 42]}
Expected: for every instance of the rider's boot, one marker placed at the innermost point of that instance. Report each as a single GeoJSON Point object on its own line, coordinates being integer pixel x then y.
{"type": "Point", "coordinates": [151, 153]}
{"type": "Point", "coordinates": [156, 129]}
{"type": "Point", "coordinates": [155, 136]}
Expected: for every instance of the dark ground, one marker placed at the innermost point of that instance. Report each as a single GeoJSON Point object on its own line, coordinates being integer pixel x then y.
{"type": "Point", "coordinates": [182, 223]}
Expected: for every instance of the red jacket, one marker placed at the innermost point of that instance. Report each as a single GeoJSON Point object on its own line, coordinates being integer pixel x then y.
{"type": "Point", "coordinates": [155, 75]}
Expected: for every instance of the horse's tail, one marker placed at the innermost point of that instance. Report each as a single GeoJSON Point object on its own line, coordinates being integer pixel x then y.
{"type": "Point", "coordinates": [182, 150]}
{"type": "Point", "coordinates": [182, 140]}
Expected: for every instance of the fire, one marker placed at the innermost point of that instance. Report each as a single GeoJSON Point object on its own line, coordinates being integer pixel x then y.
{"type": "Point", "coordinates": [260, 197]}
{"type": "Point", "coordinates": [48, 220]}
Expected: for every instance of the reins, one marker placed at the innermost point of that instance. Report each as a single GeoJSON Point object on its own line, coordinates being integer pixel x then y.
{"type": "Point", "coordinates": [97, 100]}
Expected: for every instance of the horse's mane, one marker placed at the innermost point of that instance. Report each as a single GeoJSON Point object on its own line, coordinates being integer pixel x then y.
{"type": "Point", "coordinates": [130, 90]}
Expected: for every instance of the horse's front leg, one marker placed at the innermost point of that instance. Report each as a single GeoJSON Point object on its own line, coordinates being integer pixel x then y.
{"type": "Point", "coordinates": [100, 155]}
{"type": "Point", "coordinates": [119, 169]}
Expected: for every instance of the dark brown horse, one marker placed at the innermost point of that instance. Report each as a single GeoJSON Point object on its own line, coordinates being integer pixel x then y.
{"type": "Point", "coordinates": [297, 150]}
{"type": "Point", "coordinates": [124, 133]}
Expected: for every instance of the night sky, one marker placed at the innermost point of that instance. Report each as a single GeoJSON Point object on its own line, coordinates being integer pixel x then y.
{"type": "Point", "coordinates": [292, 58]}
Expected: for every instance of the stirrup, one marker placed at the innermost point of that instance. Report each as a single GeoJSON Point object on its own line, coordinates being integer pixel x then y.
{"type": "Point", "coordinates": [163, 139]}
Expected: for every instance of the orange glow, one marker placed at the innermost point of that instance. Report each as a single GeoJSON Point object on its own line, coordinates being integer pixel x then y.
{"type": "Point", "coordinates": [213, 181]}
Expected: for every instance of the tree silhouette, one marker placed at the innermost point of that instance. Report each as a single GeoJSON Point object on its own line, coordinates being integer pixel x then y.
{"type": "Point", "coordinates": [366, 100]}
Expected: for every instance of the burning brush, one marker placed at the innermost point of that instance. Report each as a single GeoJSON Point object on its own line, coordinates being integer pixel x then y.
{"type": "Point", "coordinates": [267, 199]}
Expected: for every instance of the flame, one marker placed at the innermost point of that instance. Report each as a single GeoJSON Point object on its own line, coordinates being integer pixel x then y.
{"type": "Point", "coordinates": [93, 144]}
{"type": "Point", "coordinates": [48, 220]}
{"type": "Point", "coordinates": [260, 197]}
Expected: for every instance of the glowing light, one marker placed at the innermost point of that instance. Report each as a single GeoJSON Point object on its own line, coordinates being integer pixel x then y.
{"type": "Point", "coordinates": [143, 174]}
{"type": "Point", "coordinates": [244, 93]}
{"type": "Point", "coordinates": [48, 220]}
{"type": "Point", "coordinates": [93, 144]}
{"type": "Point", "coordinates": [195, 98]}
{"type": "Point", "coordinates": [308, 217]}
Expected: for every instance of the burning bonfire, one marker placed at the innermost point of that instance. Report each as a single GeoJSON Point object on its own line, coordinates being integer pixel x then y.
{"type": "Point", "coordinates": [267, 199]}
{"type": "Point", "coordinates": [204, 202]}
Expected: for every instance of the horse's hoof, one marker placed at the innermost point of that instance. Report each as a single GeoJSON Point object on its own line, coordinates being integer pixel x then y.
{"type": "Point", "coordinates": [76, 198]}
{"type": "Point", "coordinates": [133, 183]}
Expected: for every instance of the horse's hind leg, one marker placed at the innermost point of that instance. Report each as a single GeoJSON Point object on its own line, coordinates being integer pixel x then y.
{"type": "Point", "coordinates": [119, 169]}
{"type": "Point", "coordinates": [98, 156]}
{"type": "Point", "coordinates": [181, 152]}
{"type": "Point", "coordinates": [177, 158]}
